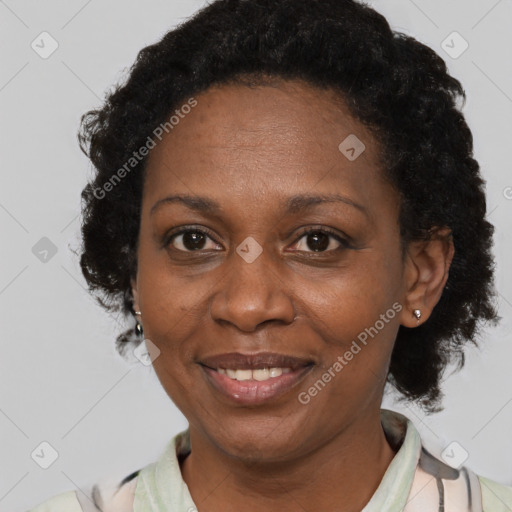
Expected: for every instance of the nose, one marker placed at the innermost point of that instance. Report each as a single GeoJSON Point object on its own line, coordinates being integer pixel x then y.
{"type": "Point", "coordinates": [251, 294]}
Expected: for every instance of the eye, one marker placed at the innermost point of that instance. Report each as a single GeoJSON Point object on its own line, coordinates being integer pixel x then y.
{"type": "Point", "coordinates": [320, 240]}
{"type": "Point", "coordinates": [192, 239]}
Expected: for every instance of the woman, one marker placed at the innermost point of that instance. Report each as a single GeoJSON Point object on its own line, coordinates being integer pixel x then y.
{"type": "Point", "coordinates": [278, 204]}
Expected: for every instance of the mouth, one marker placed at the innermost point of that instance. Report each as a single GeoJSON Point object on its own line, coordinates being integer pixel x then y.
{"type": "Point", "coordinates": [254, 378]}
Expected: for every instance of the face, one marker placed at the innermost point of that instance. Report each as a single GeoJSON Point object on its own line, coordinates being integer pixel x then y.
{"type": "Point", "coordinates": [284, 254]}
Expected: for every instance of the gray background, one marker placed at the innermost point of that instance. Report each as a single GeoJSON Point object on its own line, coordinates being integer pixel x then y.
{"type": "Point", "coordinates": [61, 380]}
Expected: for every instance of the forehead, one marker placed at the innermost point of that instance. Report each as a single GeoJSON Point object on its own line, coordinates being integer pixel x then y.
{"type": "Point", "coordinates": [281, 114]}
{"type": "Point", "coordinates": [284, 139]}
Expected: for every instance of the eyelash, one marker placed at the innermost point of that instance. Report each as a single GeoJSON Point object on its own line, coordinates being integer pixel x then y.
{"type": "Point", "coordinates": [306, 231]}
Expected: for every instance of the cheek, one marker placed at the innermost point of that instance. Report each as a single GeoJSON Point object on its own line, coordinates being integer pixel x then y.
{"type": "Point", "coordinates": [350, 298]}
{"type": "Point", "coordinates": [170, 304]}
{"type": "Point", "coordinates": [356, 315]}
{"type": "Point", "coordinates": [176, 381]}
{"type": "Point", "coordinates": [355, 359]}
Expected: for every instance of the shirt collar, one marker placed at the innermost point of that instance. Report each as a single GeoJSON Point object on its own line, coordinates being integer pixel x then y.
{"type": "Point", "coordinates": [395, 486]}
{"type": "Point", "coordinates": [161, 487]}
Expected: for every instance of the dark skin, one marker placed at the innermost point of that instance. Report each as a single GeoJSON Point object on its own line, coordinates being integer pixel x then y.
{"type": "Point", "coordinates": [250, 149]}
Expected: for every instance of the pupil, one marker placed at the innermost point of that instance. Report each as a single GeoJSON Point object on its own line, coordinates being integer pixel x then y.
{"type": "Point", "coordinates": [320, 241]}
{"type": "Point", "coordinates": [193, 240]}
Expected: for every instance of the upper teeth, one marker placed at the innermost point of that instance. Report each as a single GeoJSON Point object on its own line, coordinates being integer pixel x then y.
{"type": "Point", "coordinates": [259, 374]}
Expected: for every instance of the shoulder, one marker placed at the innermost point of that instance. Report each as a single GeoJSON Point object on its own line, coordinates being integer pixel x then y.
{"type": "Point", "coordinates": [118, 494]}
{"type": "Point", "coordinates": [435, 482]}
{"type": "Point", "coordinates": [495, 497]}
{"type": "Point", "coordinates": [63, 502]}
{"type": "Point", "coordinates": [106, 496]}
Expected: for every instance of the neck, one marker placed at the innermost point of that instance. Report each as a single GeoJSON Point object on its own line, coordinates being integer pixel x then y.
{"type": "Point", "coordinates": [342, 474]}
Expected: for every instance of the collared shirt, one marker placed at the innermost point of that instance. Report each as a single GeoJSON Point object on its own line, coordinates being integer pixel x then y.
{"type": "Point", "coordinates": [415, 481]}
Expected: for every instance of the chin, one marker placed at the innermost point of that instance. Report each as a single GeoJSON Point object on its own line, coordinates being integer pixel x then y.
{"type": "Point", "coordinates": [259, 440]}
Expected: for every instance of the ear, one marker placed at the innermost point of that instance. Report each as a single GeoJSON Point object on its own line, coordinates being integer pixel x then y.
{"type": "Point", "coordinates": [427, 264]}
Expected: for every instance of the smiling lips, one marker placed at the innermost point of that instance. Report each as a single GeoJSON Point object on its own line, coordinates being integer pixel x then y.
{"type": "Point", "coordinates": [254, 378]}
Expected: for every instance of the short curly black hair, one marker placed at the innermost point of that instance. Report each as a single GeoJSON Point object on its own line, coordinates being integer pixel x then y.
{"type": "Point", "coordinates": [397, 87]}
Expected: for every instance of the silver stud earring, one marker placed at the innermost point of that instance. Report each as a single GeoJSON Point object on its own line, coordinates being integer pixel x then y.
{"type": "Point", "coordinates": [139, 330]}
{"type": "Point", "coordinates": [417, 314]}
{"type": "Point", "coordinates": [138, 327]}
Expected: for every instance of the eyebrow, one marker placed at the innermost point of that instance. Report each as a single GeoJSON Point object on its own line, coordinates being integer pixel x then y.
{"type": "Point", "coordinates": [294, 204]}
